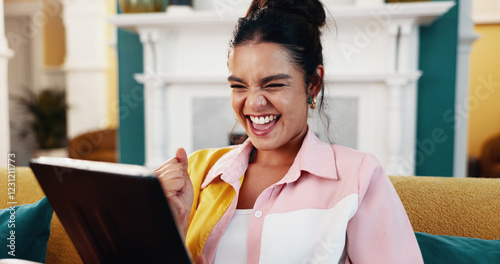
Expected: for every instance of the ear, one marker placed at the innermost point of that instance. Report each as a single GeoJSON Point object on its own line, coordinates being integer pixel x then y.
{"type": "Point", "coordinates": [317, 81]}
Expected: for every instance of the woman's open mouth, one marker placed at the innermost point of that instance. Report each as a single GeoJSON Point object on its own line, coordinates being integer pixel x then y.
{"type": "Point", "coordinates": [263, 125]}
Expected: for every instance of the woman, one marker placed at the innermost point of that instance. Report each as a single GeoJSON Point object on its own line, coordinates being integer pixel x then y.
{"type": "Point", "coordinates": [284, 196]}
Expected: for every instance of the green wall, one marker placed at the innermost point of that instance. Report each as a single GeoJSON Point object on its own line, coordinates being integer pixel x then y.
{"type": "Point", "coordinates": [436, 96]}
{"type": "Point", "coordinates": [131, 98]}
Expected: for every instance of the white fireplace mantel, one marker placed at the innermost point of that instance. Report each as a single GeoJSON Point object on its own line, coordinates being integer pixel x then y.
{"type": "Point", "coordinates": [422, 13]}
{"type": "Point", "coordinates": [371, 62]}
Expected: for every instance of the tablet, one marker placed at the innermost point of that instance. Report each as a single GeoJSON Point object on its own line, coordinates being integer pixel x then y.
{"type": "Point", "coordinates": [113, 213]}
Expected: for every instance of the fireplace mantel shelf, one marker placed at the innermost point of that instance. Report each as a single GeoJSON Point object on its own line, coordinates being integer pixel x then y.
{"type": "Point", "coordinates": [423, 12]}
{"type": "Point", "coordinates": [386, 78]}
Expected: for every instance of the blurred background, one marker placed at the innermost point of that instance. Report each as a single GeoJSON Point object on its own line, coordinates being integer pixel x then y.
{"type": "Point", "coordinates": [113, 81]}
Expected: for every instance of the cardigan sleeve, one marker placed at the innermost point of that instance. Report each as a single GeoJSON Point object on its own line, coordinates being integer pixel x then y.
{"type": "Point", "coordinates": [199, 165]}
{"type": "Point", "coordinates": [380, 231]}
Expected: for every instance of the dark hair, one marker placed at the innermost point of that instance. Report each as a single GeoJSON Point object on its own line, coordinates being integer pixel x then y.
{"type": "Point", "coordinates": [293, 24]}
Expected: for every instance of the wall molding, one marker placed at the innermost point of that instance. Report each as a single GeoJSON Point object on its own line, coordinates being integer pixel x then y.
{"type": "Point", "coordinates": [330, 77]}
{"type": "Point", "coordinates": [486, 18]}
{"type": "Point", "coordinates": [466, 37]}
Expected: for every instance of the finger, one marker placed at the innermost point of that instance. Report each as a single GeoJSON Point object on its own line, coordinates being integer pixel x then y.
{"type": "Point", "coordinates": [172, 160]}
{"type": "Point", "coordinates": [182, 156]}
{"type": "Point", "coordinates": [163, 171]}
{"type": "Point", "coordinates": [175, 186]}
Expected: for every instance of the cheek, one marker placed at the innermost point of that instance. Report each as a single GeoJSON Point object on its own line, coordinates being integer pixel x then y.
{"type": "Point", "coordinates": [294, 104]}
{"type": "Point", "coordinates": [237, 104]}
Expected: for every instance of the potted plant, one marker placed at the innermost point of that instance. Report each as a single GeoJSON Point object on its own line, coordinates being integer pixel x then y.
{"type": "Point", "coordinates": [48, 119]}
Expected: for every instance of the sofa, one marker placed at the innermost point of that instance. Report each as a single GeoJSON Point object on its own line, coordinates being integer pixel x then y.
{"type": "Point", "coordinates": [463, 207]}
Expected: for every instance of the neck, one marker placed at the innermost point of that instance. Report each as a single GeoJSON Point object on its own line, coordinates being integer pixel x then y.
{"type": "Point", "coordinates": [284, 155]}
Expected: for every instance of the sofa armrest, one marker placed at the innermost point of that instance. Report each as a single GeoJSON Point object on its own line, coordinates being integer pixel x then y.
{"type": "Point", "coordinates": [60, 248]}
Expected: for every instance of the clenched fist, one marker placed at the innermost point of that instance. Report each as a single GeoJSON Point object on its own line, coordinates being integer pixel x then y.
{"type": "Point", "coordinates": [177, 186]}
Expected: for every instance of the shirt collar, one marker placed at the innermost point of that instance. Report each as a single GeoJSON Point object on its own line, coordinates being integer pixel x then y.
{"type": "Point", "coordinates": [231, 166]}
{"type": "Point", "coordinates": [314, 156]}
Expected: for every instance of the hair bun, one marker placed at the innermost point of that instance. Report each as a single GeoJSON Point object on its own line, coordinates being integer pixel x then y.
{"type": "Point", "coordinates": [312, 10]}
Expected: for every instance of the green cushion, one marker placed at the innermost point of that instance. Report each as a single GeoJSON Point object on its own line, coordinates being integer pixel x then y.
{"type": "Point", "coordinates": [457, 250]}
{"type": "Point", "coordinates": [24, 234]}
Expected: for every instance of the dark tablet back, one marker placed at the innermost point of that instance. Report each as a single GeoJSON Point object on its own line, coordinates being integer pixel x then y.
{"type": "Point", "coordinates": [113, 213]}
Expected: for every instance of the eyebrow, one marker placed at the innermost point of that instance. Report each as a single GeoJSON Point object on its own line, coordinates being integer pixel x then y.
{"type": "Point", "coordinates": [264, 80]}
{"type": "Point", "coordinates": [274, 78]}
{"type": "Point", "coordinates": [234, 79]}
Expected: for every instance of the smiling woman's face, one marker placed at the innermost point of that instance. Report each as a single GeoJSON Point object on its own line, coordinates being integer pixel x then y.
{"type": "Point", "coordinates": [268, 95]}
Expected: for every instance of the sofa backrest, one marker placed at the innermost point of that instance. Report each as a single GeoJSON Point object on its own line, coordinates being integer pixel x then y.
{"type": "Point", "coordinates": [466, 207]}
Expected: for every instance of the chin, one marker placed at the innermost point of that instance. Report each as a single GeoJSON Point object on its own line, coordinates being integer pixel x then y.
{"type": "Point", "coordinates": [263, 145]}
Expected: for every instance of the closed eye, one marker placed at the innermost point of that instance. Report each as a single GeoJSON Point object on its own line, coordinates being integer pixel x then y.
{"type": "Point", "coordinates": [237, 86]}
{"type": "Point", "coordinates": [275, 85]}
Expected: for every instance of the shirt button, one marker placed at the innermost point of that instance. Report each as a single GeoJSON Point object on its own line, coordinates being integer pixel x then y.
{"type": "Point", "coordinates": [258, 214]}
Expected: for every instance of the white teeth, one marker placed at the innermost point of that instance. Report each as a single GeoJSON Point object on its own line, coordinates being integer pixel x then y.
{"type": "Point", "coordinates": [263, 120]}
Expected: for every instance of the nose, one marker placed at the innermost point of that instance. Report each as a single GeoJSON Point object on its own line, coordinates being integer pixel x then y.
{"type": "Point", "coordinates": [257, 101]}
{"type": "Point", "coordinates": [261, 101]}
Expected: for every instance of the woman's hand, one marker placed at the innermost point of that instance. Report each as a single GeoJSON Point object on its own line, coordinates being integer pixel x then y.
{"type": "Point", "coordinates": [177, 186]}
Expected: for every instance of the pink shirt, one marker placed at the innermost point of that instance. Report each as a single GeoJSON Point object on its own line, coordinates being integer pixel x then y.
{"type": "Point", "coordinates": [335, 205]}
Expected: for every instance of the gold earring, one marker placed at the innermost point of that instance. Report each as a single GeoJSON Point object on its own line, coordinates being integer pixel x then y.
{"type": "Point", "coordinates": [311, 101]}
